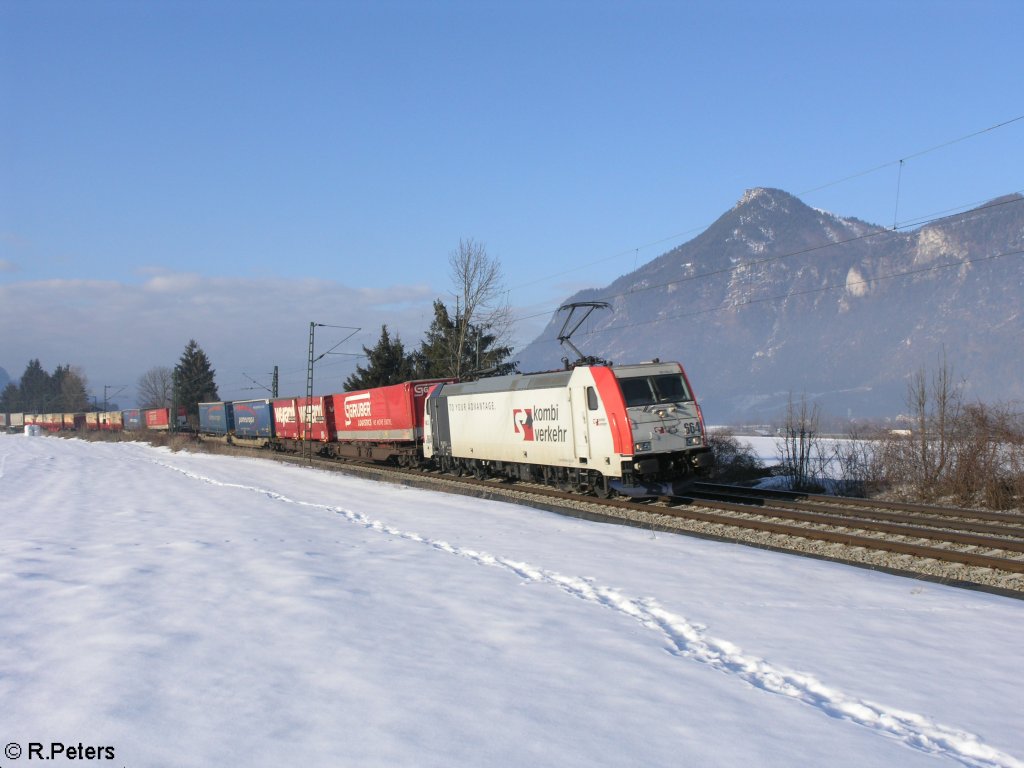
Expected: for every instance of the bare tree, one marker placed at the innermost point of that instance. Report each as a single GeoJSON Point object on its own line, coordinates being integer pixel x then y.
{"type": "Point", "coordinates": [935, 409]}
{"type": "Point", "coordinates": [800, 445]}
{"type": "Point", "coordinates": [479, 304]}
{"type": "Point", "coordinates": [155, 387]}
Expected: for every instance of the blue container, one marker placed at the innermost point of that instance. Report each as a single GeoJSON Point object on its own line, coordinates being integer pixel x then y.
{"type": "Point", "coordinates": [132, 419]}
{"type": "Point", "coordinates": [253, 418]}
{"type": "Point", "coordinates": [216, 418]}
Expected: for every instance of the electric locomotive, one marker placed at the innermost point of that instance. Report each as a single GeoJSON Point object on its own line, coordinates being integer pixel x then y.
{"type": "Point", "coordinates": [634, 429]}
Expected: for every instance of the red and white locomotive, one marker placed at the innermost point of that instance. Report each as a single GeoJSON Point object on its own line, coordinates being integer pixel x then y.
{"type": "Point", "coordinates": [635, 429]}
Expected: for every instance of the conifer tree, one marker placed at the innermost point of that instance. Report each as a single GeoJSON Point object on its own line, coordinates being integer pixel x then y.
{"type": "Point", "coordinates": [193, 380]}
{"type": "Point", "coordinates": [10, 399]}
{"type": "Point", "coordinates": [387, 363]}
{"type": "Point", "coordinates": [71, 389]}
{"type": "Point", "coordinates": [36, 390]}
{"type": "Point", "coordinates": [437, 356]}
{"type": "Point", "coordinates": [451, 347]}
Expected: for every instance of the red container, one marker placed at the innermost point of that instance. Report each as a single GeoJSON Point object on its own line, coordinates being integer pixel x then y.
{"type": "Point", "coordinates": [290, 418]}
{"type": "Point", "coordinates": [393, 413]}
{"type": "Point", "coordinates": [157, 418]}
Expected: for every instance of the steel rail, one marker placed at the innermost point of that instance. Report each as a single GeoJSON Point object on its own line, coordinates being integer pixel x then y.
{"type": "Point", "coordinates": [851, 501]}
{"type": "Point", "coordinates": [863, 511]}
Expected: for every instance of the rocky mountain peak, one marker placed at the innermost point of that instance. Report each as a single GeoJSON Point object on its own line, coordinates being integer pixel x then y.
{"type": "Point", "coordinates": [777, 297]}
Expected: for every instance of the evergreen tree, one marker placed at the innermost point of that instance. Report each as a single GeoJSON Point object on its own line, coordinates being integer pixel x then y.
{"type": "Point", "coordinates": [10, 399]}
{"type": "Point", "coordinates": [439, 354]}
{"type": "Point", "coordinates": [64, 391]}
{"type": "Point", "coordinates": [387, 363]}
{"type": "Point", "coordinates": [71, 389]}
{"type": "Point", "coordinates": [36, 390]}
{"type": "Point", "coordinates": [193, 381]}
{"type": "Point", "coordinates": [483, 357]}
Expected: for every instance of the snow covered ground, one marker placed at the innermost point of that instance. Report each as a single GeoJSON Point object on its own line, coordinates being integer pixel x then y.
{"type": "Point", "coordinates": [201, 610]}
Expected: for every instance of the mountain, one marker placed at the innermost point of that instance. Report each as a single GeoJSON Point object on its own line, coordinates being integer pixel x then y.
{"type": "Point", "coordinates": [777, 299]}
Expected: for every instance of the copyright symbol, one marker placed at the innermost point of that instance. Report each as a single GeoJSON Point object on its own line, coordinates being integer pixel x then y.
{"type": "Point", "coordinates": [12, 751]}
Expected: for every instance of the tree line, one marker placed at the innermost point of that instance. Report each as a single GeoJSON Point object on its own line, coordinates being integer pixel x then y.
{"type": "Point", "coordinates": [63, 391]}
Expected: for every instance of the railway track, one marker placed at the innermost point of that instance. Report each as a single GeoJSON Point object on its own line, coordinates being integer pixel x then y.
{"type": "Point", "coordinates": [970, 548]}
{"type": "Point", "coordinates": [976, 549]}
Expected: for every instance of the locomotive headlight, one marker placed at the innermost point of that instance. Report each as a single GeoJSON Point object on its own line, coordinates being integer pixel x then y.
{"type": "Point", "coordinates": [641, 447]}
{"type": "Point", "coordinates": [693, 441]}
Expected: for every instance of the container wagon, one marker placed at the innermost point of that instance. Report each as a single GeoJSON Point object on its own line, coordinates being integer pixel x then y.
{"type": "Point", "coordinates": [216, 419]}
{"type": "Point", "coordinates": [254, 422]}
{"type": "Point", "coordinates": [291, 416]}
{"type": "Point", "coordinates": [383, 424]}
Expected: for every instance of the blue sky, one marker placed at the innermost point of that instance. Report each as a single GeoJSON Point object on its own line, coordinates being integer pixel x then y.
{"type": "Point", "coordinates": [231, 171]}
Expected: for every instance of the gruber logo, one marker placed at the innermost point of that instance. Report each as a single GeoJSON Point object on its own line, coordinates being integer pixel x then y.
{"type": "Point", "coordinates": [523, 419]}
{"type": "Point", "coordinates": [357, 406]}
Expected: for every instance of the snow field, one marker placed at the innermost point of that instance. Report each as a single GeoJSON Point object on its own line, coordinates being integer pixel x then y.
{"type": "Point", "coordinates": [230, 610]}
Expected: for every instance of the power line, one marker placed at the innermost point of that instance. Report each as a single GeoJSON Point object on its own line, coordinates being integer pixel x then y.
{"type": "Point", "coordinates": [911, 156]}
{"type": "Point", "coordinates": [635, 249]}
{"type": "Point", "coordinates": [778, 257]}
{"type": "Point", "coordinates": [806, 292]}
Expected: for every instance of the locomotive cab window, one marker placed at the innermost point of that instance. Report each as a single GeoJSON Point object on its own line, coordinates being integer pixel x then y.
{"type": "Point", "coordinates": [671, 388]}
{"type": "Point", "coordinates": [637, 391]}
{"type": "Point", "coordinates": [592, 403]}
{"type": "Point", "coordinates": [649, 390]}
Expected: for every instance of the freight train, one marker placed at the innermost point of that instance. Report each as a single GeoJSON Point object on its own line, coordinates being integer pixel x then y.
{"type": "Point", "coordinates": [94, 421]}
{"type": "Point", "coordinates": [601, 429]}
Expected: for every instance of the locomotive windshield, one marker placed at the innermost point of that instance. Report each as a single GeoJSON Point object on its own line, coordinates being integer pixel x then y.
{"type": "Point", "coordinates": [651, 390]}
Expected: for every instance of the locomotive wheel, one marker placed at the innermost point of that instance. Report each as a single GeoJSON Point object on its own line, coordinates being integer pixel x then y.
{"type": "Point", "coordinates": [603, 488]}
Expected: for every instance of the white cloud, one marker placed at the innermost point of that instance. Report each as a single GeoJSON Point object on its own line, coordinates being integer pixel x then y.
{"type": "Point", "coordinates": [117, 331]}
{"type": "Point", "coordinates": [8, 266]}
